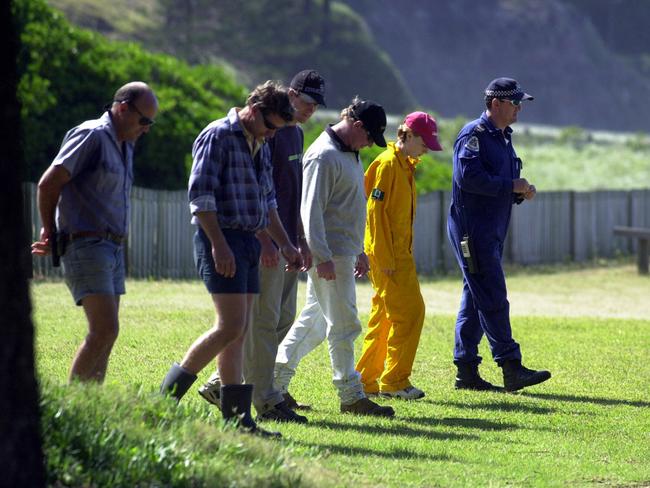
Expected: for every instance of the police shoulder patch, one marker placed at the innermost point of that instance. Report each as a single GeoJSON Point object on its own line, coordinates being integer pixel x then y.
{"type": "Point", "coordinates": [472, 144]}
{"type": "Point", "coordinates": [377, 194]}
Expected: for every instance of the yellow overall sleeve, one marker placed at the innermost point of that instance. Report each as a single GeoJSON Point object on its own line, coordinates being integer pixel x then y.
{"type": "Point", "coordinates": [379, 183]}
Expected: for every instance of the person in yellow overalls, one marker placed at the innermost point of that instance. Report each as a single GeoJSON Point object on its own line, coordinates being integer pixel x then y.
{"type": "Point", "coordinates": [397, 308]}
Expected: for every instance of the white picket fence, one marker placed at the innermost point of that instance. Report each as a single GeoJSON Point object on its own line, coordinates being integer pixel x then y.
{"type": "Point", "coordinates": [555, 227]}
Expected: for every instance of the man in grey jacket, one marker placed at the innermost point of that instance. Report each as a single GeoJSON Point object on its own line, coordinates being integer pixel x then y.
{"type": "Point", "coordinates": [333, 211]}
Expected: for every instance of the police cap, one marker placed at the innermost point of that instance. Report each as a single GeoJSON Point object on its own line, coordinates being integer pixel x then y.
{"type": "Point", "coordinates": [506, 88]}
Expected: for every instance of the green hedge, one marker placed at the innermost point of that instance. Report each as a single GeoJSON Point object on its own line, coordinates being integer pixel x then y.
{"type": "Point", "coordinates": [68, 74]}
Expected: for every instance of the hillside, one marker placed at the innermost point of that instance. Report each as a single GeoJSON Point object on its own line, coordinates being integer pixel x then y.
{"type": "Point", "coordinates": [448, 51]}
{"type": "Point", "coordinates": [586, 61]}
{"type": "Point", "coordinates": [260, 40]}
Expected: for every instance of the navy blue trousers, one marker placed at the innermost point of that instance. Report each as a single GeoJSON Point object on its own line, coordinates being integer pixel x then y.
{"type": "Point", "coordinates": [484, 306]}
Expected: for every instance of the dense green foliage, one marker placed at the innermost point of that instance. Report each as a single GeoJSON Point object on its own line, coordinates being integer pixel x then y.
{"type": "Point", "coordinates": [68, 74]}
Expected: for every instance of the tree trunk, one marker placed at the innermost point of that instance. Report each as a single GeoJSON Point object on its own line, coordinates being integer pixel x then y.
{"type": "Point", "coordinates": [21, 455]}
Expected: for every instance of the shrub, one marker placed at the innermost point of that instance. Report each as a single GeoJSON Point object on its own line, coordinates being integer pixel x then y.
{"type": "Point", "coordinates": [68, 74]}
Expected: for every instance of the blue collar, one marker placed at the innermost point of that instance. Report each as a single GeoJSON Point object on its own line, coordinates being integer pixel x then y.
{"type": "Point", "coordinates": [485, 120]}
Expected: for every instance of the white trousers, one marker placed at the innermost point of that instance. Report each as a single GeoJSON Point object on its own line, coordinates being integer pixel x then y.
{"type": "Point", "coordinates": [330, 311]}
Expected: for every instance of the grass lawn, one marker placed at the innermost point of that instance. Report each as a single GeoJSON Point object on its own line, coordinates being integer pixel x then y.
{"type": "Point", "coordinates": [588, 425]}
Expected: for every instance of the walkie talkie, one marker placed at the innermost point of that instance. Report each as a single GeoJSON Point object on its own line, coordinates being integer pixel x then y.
{"type": "Point", "coordinates": [468, 253]}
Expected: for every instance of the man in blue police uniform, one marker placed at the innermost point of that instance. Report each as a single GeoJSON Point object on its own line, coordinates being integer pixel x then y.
{"type": "Point", "coordinates": [486, 183]}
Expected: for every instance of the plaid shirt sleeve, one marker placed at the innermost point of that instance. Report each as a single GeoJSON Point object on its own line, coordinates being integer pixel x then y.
{"type": "Point", "coordinates": [204, 177]}
{"type": "Point", "coordinates": [268, 167]}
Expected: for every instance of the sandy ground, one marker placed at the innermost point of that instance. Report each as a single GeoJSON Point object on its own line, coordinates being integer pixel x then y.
{"type": "Point", "coordinates": [616, 292]}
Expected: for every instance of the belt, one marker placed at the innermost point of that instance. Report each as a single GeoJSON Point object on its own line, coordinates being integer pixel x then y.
{"type": "Point", "coordinates": [117, 239]}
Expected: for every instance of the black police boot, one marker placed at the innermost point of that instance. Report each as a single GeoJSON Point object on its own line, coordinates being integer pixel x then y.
{"type": "Point", "coordinates": [468, 378]}
{"type": "Point", "coordinates": [177, 382]}
{"type": "Point", "coordinates": [236, 408]}
{"type": "Point", "coordinates": [516, 376]}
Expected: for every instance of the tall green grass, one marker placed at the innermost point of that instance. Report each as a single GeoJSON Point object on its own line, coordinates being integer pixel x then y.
{"type": "Point", "coordinates": [128, 436]}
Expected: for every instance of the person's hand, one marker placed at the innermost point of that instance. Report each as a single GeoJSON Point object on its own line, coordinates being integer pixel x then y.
{"type": "Point", "coordinates": [42, 247]}
{"type": "Point", "coordinates": [224, 259]}
{"type": "Point", "coordinates": [530, 194]}
{"type": "Point", "coordinates": [362, 266]}
{"type": "Point", "coordinates": [520, 185]}
{"type": "Point", "coordinates": [293, 257]}
{"type": "Point", "coordinates": [305, 252]}
{"type": "Point", "coordinates": [326, 270]}
{"type": "Point", "coordinates": [269, 254]}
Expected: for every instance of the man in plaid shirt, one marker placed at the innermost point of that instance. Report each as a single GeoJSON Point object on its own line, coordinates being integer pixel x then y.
{"type": "Point", "coordinates": [231, 198]}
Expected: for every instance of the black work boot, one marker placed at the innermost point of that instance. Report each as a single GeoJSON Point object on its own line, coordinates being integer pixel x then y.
{"type": "Point", "coordinates": [177, 382]}
{"type": "Point", "coordinates": [236, 407]}
{"type": "Point", "coordinates": [516, 376]}
{"type": "Point", "coordinates": [468, 378]}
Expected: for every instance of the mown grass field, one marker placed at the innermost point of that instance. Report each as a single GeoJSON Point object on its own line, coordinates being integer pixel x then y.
{"type": "Point", "coordinates": [588, 425]}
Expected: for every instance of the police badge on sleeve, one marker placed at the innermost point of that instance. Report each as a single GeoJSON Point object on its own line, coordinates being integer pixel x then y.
{"type": "Point", "coordinates": [472, 144]}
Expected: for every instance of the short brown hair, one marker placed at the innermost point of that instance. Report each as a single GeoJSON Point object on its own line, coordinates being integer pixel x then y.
{"type": "Point", "coordinates": [272, 97]}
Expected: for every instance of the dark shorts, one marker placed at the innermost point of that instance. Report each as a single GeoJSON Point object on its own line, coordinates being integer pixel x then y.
{"type": "Point", "coordinates": [93, 266]}
{"type": "Point", "coordinates": [246, 249]}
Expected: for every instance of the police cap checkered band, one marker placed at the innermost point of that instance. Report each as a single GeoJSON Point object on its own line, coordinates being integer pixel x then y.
{"type": "Point", "coordinates": [506, 88]}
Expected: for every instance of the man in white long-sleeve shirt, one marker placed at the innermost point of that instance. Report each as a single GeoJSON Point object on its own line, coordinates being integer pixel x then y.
{"type": "Point", "coordinates": [333, 212]}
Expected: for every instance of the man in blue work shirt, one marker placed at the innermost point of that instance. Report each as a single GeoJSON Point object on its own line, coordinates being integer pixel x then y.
{"type": "Point", "coordinates": [486, 182]}
{"type": "Point", "coordinates": [88, 187]}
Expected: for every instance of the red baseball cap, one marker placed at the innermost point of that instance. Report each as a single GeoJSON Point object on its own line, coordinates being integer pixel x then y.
{"type": "Point", "coordinates": [423, 125]}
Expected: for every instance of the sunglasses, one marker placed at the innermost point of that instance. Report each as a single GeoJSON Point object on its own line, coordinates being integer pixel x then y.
{"type": "Point", "coordinates": [268, 124]}
{"type": "Point", "coordinates": [515, 103]}
{"type": "Point", "coordinates": [144, 120]}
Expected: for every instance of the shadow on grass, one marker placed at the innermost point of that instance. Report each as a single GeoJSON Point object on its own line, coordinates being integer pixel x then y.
{"type": "Point", "coordinates": [502, 406]}
{"type": "Point", "coordinates": [391, 453]}
{"type": "Point", "coordinates": [401, 430]}
{"type": "Point", "coordinates": [587, 399]}
{"type": "Point", "coordinates": [480, 424]}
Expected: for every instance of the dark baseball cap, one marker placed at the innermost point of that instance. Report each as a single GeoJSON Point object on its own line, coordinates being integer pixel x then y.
{"type": "Point", "coordinates": [507, 89]}
{"type": "Point", "coordinates": [374, 119]}
{"type": "Point", "coordinates": [310, 83]}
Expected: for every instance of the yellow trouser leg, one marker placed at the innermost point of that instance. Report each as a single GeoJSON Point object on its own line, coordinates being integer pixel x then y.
{"type": "Point", "coordinates": [373, 353]}
{"type": "Point", "coordinates": [404, 309]}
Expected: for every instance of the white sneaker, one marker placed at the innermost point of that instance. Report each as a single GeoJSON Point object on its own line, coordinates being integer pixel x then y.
{"type": "Point", "coordinates": [408, 393]}
{"type": "Point", "coordinates": [211, 390]}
